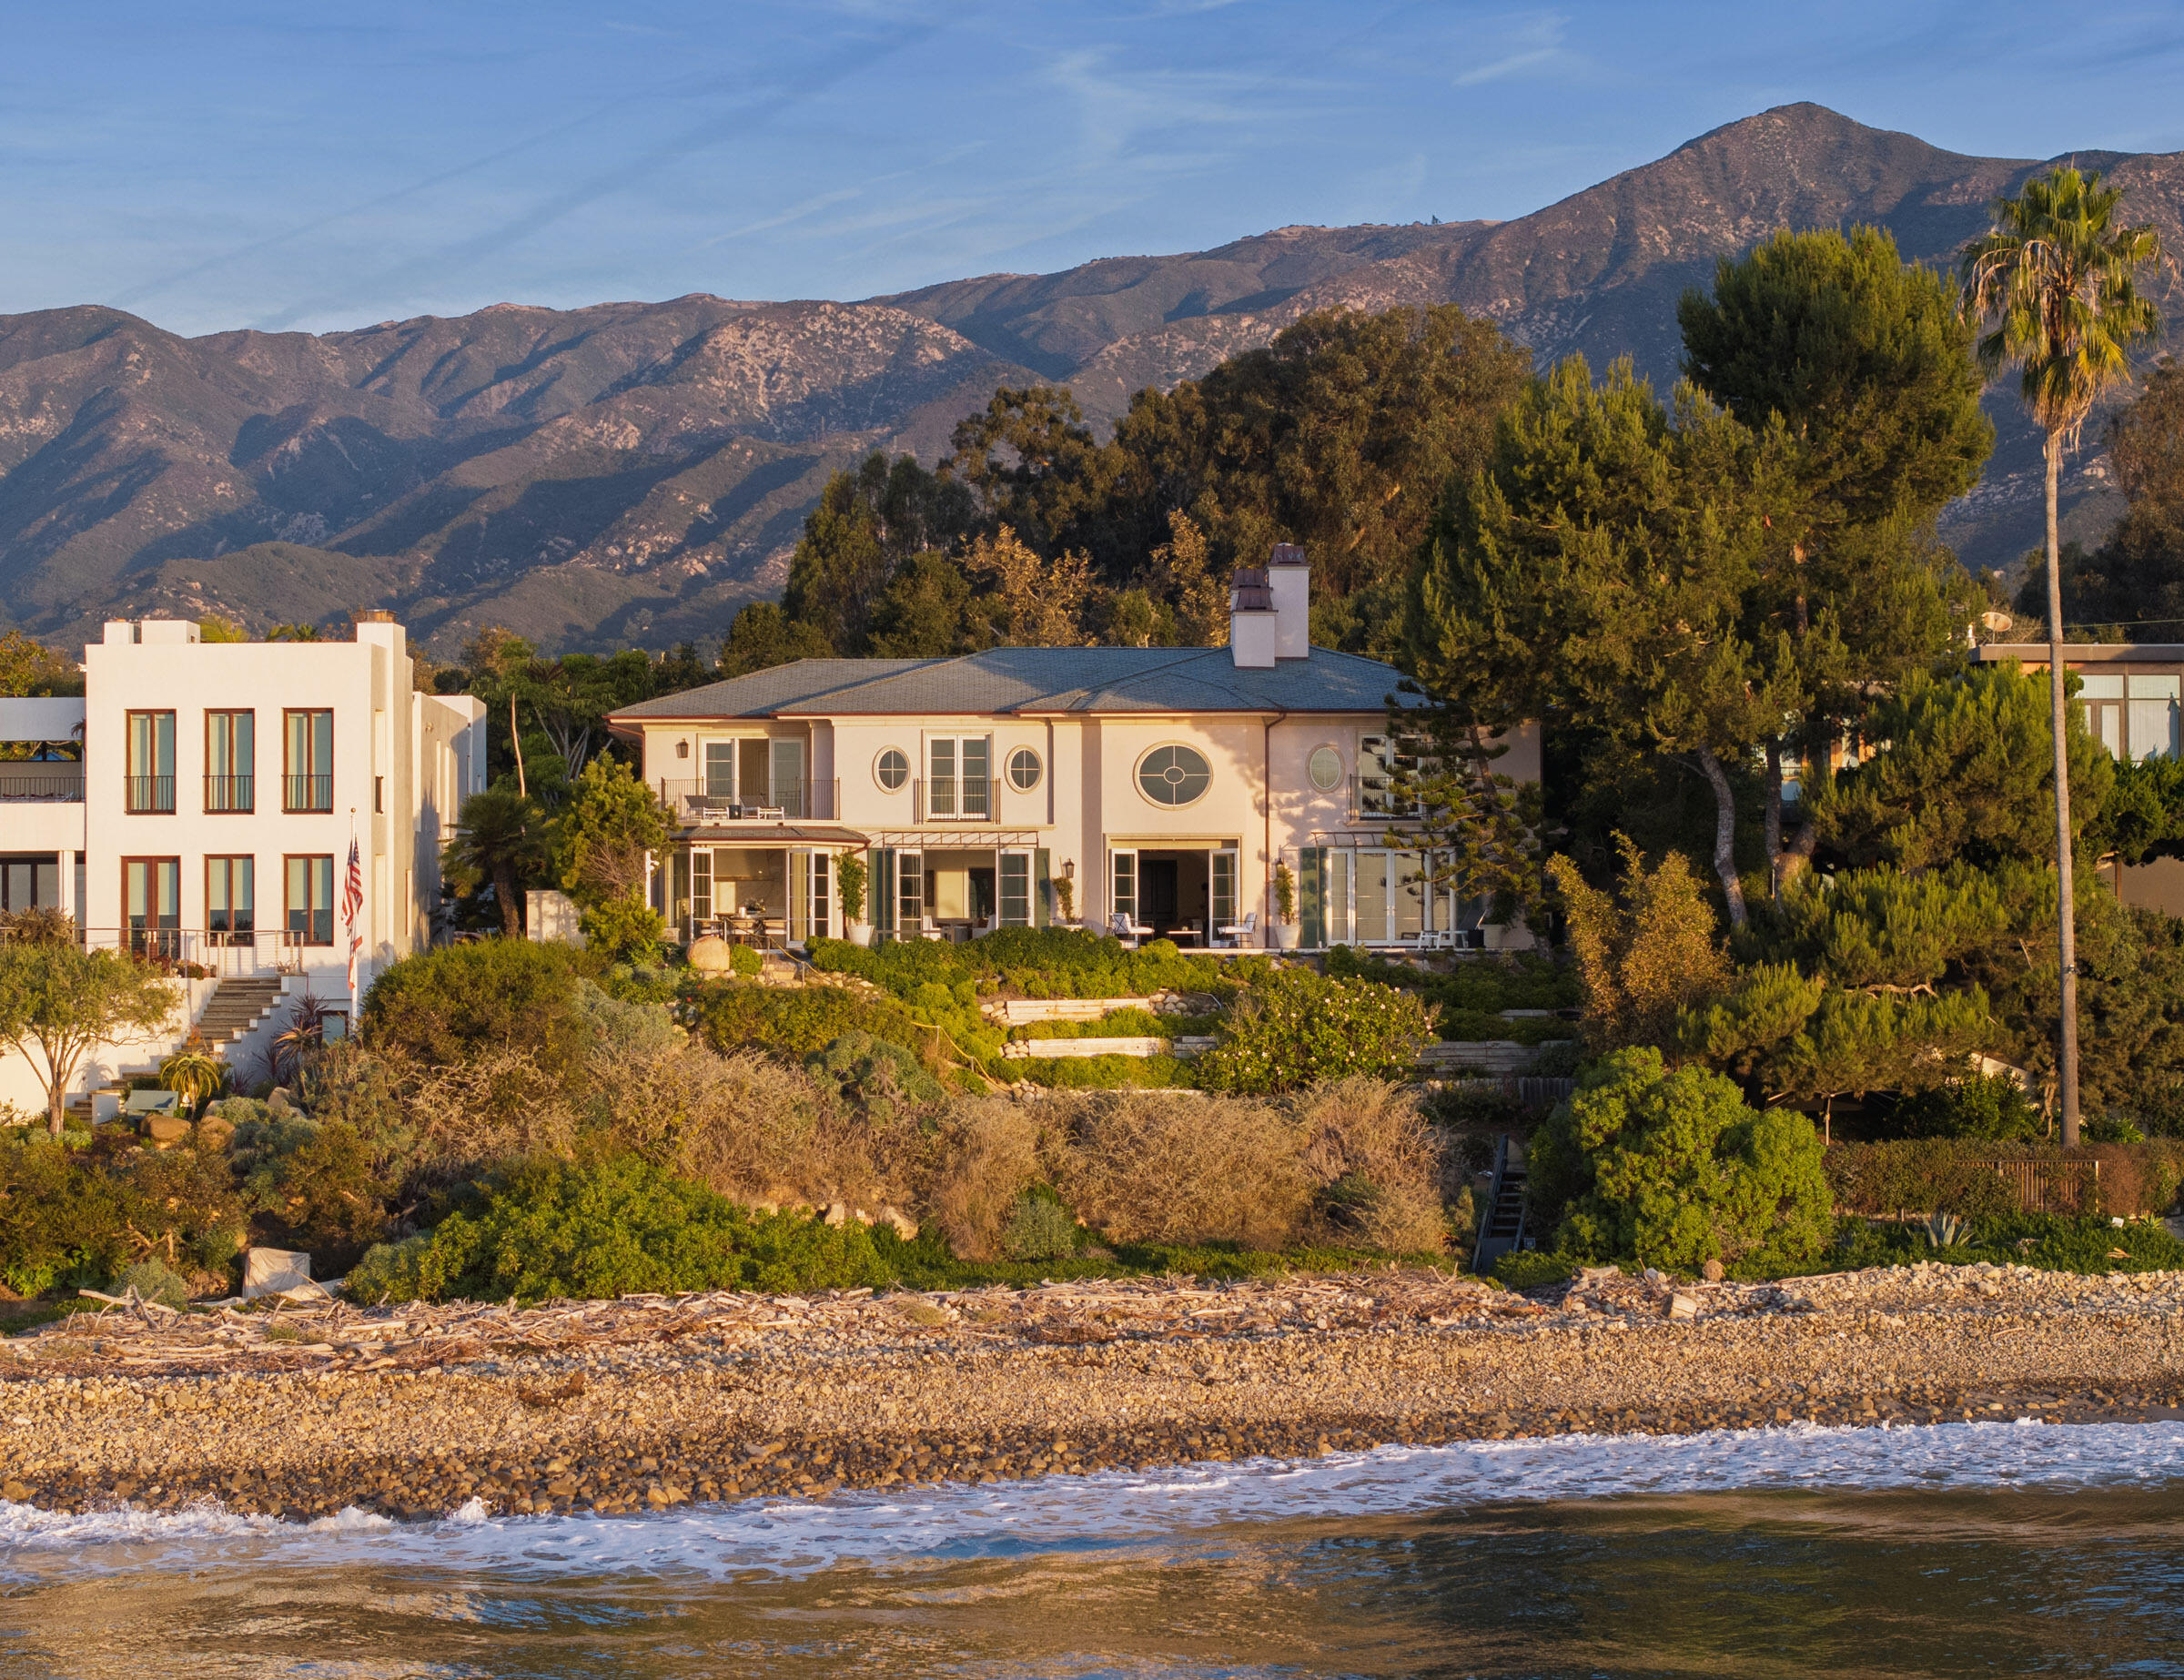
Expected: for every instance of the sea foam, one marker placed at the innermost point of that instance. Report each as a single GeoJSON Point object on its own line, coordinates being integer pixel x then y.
{"type": "Point", "coordinates": [1112, 1508]}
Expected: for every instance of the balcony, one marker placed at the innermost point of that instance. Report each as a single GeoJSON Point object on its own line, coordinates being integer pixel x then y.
{"type": "Point", "coordinates": [307, 793]}
{"type": "Point", "coordinates": [149, 796]}
{"type": "Point", "coordinates": [230, 795]}
{"type": "Point", "coordinates": [695, 804]}
{"type": "Point", "coordinates": [195, 953]}
{"type": "Point", "coordinates": [1372, 799]}
{"type": "Point", "coordinates": [48, 782]}
{"type": "Point", "coordinates": [952, 799]}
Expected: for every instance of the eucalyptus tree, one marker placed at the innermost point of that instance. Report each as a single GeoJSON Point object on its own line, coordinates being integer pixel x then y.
{"type": "Point", "coordinates": [2055, 281]}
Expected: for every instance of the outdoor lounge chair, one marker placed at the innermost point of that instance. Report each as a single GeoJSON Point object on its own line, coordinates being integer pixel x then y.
{"type": "Point", "coordinates": [1240, 933]}
{"type": "Point", "coordinates": [1126, 930]}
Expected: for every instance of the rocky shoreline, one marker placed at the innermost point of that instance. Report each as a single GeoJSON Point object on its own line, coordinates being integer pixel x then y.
{"type": "Point", "coordinates": [651, 1402]}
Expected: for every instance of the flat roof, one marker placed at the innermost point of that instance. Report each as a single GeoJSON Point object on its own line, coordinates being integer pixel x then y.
{"type": "Point", "coordinates": [2086, 652]}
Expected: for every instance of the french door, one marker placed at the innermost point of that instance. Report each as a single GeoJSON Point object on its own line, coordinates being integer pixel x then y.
{"type": "Point", "coordinates": [151, 904]}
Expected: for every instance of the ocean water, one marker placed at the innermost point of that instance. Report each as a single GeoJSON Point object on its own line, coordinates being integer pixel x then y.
{"type": "Point", "coordinates": [1955, 1549]}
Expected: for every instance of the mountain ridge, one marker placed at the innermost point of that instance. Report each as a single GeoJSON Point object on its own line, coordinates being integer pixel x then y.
{"type": "Point", "coordinates": [634, 471]}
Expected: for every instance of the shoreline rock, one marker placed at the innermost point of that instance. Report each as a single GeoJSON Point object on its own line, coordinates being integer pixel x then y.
{"type": "Point", "coordinates": [653, 1403]}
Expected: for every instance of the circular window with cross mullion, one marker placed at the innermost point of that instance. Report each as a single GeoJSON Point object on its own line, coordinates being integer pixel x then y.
{"type": "Point", "coordinates": [892, 769]}
{"type": "Point", "coordinates": [1024, 769]}
{"type": "Point", "coordinates": [1173, 777]}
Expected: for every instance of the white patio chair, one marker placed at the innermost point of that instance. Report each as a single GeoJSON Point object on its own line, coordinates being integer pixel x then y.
{"type": "Point", "coordinates": [1126, 930]}
{"type": "Point", "coordinates": [1239, 933]}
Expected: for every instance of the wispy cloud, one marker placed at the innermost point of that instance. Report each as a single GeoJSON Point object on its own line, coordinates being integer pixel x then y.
{"type": "Point", "coordinates": [1538, 43]}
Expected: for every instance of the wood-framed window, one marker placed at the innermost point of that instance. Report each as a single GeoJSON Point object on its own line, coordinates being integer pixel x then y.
{"type": "Point", "coordinates": [151, 904]}
{"type": "Point", "coordinates": [306, 780]}
{"type": "Point", "coordinates": [230, 762]}
{"type": "Point", "coordinates": [309, 904]}
{"type": "Point", "coordinates": [231, 899]}
{"type": "Point", "coordinates": [958, 783]}
{"type": "Point", "coordinates": [150, 781]}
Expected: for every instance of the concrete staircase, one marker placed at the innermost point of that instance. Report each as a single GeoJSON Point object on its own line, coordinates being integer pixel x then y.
{"type": "Point", "coordinates": [237, 1008]}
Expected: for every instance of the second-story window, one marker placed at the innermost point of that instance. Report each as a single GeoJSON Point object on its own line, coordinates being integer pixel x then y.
{"type": "Point", "coordinates": [306, 780]}
{"type": "Point", "coordinates": [230, 761]}
{"type": "Point", "coordinates": [956, 781]}
{"type": "Point", "coordinates": [150, 783]}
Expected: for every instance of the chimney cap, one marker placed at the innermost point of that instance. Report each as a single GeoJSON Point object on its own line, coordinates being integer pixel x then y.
{"type": "Point", "coordinates": [374, 615]}
{"type": "Point", "coordinates": [1289, 554]}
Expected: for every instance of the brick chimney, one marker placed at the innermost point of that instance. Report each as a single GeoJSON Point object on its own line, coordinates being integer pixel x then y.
{"type": "Point", "coordinates": [1291, 576]}
{"type": "Point", "coordinates": [1254, 626]}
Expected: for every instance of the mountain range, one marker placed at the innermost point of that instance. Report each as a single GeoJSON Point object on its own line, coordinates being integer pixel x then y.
{"type": "Point", "coordinates": [632, 473]}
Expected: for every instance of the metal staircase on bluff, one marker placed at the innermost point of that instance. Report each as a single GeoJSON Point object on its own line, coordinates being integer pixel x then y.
{"type": "Point", "coordinates": [1502, 1229]}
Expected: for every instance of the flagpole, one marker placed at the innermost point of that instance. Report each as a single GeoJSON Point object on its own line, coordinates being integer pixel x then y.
{"type": "Point", "coordinates": [352, 906]}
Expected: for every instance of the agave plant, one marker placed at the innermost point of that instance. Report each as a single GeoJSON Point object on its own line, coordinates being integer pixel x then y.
{"type": "Point", "coordinates": [1943, 1231]}
{"type": "Point", "coordinates": [194, 1072]}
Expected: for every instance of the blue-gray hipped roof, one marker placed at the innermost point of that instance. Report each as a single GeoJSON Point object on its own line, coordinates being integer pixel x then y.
{"type": "Point", "coordinates": [1006, 680]}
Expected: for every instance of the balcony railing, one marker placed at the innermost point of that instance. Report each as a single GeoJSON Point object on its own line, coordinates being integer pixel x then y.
{"type": "Point", "coordinates": [43, 783]}
{"type": "Point", "coordinates": [1372, 799]}
{"type": "Point", "coordinates": [225, 795]}
{"type": "Point", "coordinates": [149, 796]}
{"type": "Point", "coordinates": [307, 793]}
{"type": "Point", "coordinates": [695, 804]}
{"type": "Point", "coordinates": [207, 953]}
{"type": "Point", "coordinates": [954, 799]}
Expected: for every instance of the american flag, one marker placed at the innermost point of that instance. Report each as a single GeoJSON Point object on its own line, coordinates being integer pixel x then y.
{"type": "Point", "coordinates": [352, 906]}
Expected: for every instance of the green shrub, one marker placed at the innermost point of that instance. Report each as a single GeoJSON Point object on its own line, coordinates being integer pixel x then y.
{"type": "Point", "coordinates": [745, 962]}
{"type": "Point", "coordinates": [1294, 1028]}
{"type": "Point", "coordinates": [1517, 980]}
{"type": "Point", "coordinates": [1477, 1027]}
{"type": "Point", "coordinates": [153, 1279]}
{"type": "Point", "coordinates": [1992, 1108]}
{"type": "Point", "coordinates": [1674, 1170]}
{"type": "Point", "coordinates": [315, 1184]}
{"type": "Point", "coordinates": [1039, 1227]}
{"type": "Point", "coordinates": [623, 929]}
{"type": "Point", "coordinates": [447, 1004]}
{"type": "Point", "coordinates": [876, 1074]}
{"type": "Point", "coordinates": [800, 1021]}
{"type": "Point", "coordinates": [616, 1227]}
{"type": "Point", "coordinates": [2111, 1129]}
{"type": "Point", "coordinates": [1918, 1177]}
{"type": "Point", "coordinates": [1533, 1269]}
{"type": "Point", "coordinates": [73, 1218]}
{"type": "Point", "coordinates": [1035, 962]}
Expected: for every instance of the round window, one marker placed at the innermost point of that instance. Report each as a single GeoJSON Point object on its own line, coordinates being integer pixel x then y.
{"type": "Point", "coordinates": [1023, 770]}
{"type": "Point", "coordinates": [1325, 768]}
{"type": "Point", "coordinates": [892, 770]}
{"type": "Point", "coordinates": [1173, 776]}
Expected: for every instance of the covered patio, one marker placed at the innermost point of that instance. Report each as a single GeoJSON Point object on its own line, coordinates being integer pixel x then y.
{"type": "Point", "coordinates": [773, 888]}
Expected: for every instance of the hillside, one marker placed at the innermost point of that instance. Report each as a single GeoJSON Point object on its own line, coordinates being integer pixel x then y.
{"type": "Point", "coordinates": [634, 471]}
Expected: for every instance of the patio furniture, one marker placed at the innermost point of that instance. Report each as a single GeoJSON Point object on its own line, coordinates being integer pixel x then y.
{"type": "Point", "coordinates": [1126, 930]}
{"type": "Point", "coordinates": [1239, 933]}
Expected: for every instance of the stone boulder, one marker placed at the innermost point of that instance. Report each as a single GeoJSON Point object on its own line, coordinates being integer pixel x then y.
{"type": "Point", "coordinates": [711, 954]}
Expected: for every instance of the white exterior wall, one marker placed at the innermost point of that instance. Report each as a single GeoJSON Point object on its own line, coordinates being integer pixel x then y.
{"type": "Point", "coordinates": [1088, 804]}
{"type": "Point", "coordinates": [402, 764]}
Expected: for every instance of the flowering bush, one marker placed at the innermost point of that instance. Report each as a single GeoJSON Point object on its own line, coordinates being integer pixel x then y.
{"type": "Point", "coordinates": [1294, 1028]}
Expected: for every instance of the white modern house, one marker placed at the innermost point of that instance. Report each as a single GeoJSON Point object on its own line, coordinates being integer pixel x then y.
{"type": "Point", "coordinates": [1165, 786]}
{"type": "Point", "coordinates": [197, 804]}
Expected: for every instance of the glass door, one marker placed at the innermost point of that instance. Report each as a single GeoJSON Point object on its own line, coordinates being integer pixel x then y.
{"type": "Point", "coordinates": [785, 764]}
{"type": "Point", "coordinates": [1221, 904]}
{"type": "Point", "coordinates": [1124, 901]}
{"type": "Point", "coordinates": [1016, 889]}
{"type": "Point", "coordinates": [151, 902]}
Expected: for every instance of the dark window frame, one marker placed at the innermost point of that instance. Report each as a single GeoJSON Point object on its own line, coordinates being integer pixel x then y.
{"type": "Point", "coordinates": [140, 786]}
{"type": "Point", "coordinates": [314, 782]}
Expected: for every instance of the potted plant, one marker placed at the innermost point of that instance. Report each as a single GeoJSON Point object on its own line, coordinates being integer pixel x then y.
{"type": "Point", "coordinates": [850, 876]}
{"type": "Point", "coordinates": [1285, 908]}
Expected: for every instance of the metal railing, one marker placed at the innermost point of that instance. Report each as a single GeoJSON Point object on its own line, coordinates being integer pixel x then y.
{"type": "Point", "coordinates": [47, 786]}
{"type": "Point", "coordinates": [230, 795]}
{"type": "Point", "coordinates": [208, 953]}
{"type": "Point", "coordinates": [149, 796]}
{"type": "Point", "coordinates": [1372, 799]}
{"type": "Point", "coordinates": [307, 793]}
{"type": "Point", "coordinates": [952, 799]}
{"type": "Point", "coordinates": [697, 804]}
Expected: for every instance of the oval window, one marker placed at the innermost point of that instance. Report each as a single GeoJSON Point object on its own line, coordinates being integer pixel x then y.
{"type": "Point", "coordinates": [1023, 770]}
{"type": "Point", "coordinates": [1325, 768]}
{"type": "Point", "coordinates": [1173, 776]}
{"type": "Point", "coordinates": [892, 770]}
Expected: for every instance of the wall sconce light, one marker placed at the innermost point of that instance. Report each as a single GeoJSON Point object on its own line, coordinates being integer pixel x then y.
{"type": "Point", "coordinates": [1069, 870]}
{"type": "Point", "coordinates": [681, 749]}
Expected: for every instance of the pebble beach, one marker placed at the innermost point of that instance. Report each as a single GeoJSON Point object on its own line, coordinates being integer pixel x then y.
{"type": "Point", "coordinates": [649, 1403]}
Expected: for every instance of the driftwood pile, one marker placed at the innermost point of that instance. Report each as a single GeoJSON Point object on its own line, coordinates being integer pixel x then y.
{"type": "Point", "coordinates": [144, 1338]}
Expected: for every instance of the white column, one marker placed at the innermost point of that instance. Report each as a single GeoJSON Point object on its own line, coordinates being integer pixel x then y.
{"type": "Point", "coordinates": [65, 889]}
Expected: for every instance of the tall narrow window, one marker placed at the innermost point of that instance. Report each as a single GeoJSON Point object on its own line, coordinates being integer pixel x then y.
{"type": "Point", "coordinates": [1373, 898]}
{"type": "Point", "coordinates": [1016, 889]}
{"type": "Point", "coordinates": [1125, 886]}
{"type": "Point", "coordinates": [151, 904]}
{"type": "Point", "coordinates": [977, 784]}
{"type": "Point", "coordinates": [1224, 890]}
{"type": "Point", "coordinates": [720, 770]}
{"type": "Point", "coordinates": [231, 899]}
{"type": "Point", "coordinates": [910, 893]}
{"type": "Point", "coordinates": [786, 769]}
{"type": "Point", "coordinates": [230, 761]}
{"type": "Point", "coordinates": [150, 780]}
{"type": "Point", "coordinates": [940, 778]}
{"type": "Point", "coordinates": [310, 905]}
{"type": "Point", "coordinates": [308, 775]}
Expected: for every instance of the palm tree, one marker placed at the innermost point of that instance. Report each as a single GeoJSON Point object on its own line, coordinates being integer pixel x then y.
{"type": "Point", "coordinates": [499, 837]}
{"type": "Point", "coordinates": [2058, 280]}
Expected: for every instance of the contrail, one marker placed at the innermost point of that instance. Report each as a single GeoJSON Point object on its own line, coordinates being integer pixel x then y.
{"type": "Point", "coordinates": [399, 280]}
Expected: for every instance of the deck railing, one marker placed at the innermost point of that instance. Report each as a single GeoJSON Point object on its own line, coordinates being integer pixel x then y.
{"type": "Point", "coordinates": [43, 785]}
{"type": "Point", "coordinates": [695, 803]}
{"type": "Point", "coordinates": [200, 953]}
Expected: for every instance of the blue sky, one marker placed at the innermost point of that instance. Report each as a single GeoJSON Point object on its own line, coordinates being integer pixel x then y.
{"type": "Point", "coordinates": [294, 164]}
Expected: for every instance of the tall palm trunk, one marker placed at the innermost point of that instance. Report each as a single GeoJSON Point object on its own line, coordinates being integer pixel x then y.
{"type": "Point", "coordinates": [2065, 908]}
